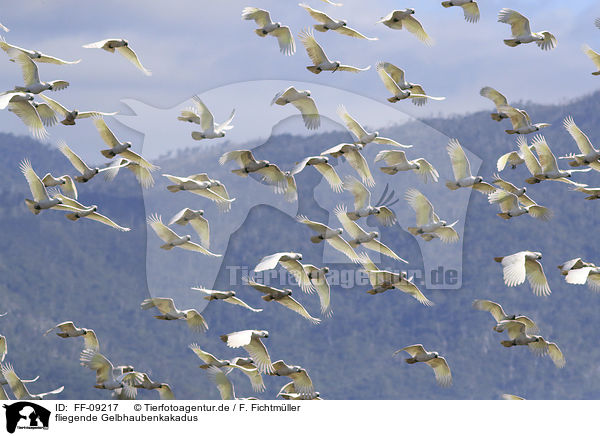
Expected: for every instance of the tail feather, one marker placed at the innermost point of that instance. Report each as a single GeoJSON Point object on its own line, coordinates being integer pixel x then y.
{"type": "Point", "coordinates": [511, 132]}
{"type": "Point", "coordinates": [447, 4]}
{"type": "Point", "coordinates": [507, 343]}
{"type": "Point", "coordinates": [504, 215]}
{"type": "Point", "coordinates": [240, 173]}
{"type": "Point", "coordinates": [313, 69]}
{"type": "Point", "coordinates": [320, 28]}
{"type": "Point", "coordinates": [174, 188]}
{"type": "Point", "coordinates": [166, 247]}
{"type": "Point", "coordinates": [411, 360]}
{"type": "Point", "coordinates": [532, 180]}
{"type": "Point", "coordinates": [315, 239]}
{"type": "Point", "coordinates": [393, 99]}
{"type": "Point", "coordinates": [389, 170]}
{"type": "Point", "coordinates": [511, 42]}
{"type": "Point", "coordinates": [498, 259]}
{"type": "Point", "coordinates": [497, 117]}
{"type": "Point", "coordinates": [109, 154]}
{"type": "Point", "coordinates": [72, 216]}
{"type": "Point", "coordinates": [452, 185]}
{"type": "Point", "coordinates": [260, 33]}
{"type": "Point", "coordinates": [413, 230]}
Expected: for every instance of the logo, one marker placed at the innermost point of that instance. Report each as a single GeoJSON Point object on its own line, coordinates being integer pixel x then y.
{"type": "Point", "coordinates": [26, 415]}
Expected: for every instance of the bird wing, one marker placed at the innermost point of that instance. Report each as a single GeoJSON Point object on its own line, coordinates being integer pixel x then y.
{"type": "Point", "coordinates": [380, 247]}
{"type": "Point", "coordinates": [4, 348]}
{"type": "Point", "coordinates": [388, 141]}
{"type": "Point", "coordinates": [507, 186]}
{"type": "Point", "coordinates": [537, 278]}
{"type": "Point", "coordinates": [202, 227]}
{"type": "Point", "coordinates": [514, 269]}
{"type": "Point", "coordinates": [421, 205]}
{"type": "Point", "coordinates": [285, 39]}
{"type": "Point", "coordinates": [313, 49]}
{"type": "Point", "coordinates": [313, 225]}
{"type": "Point", "coordinates": [295, 269]}
{"type": "Point", "coordinates": [386, 216]}
{"type": "Point", "coordinates": [192, 246]}
{"type": "Point", "coordinates": [95, 361]}
{"type": "Point", "coordinates": [30, 117]}
{"type": "Point", "coordinates": [142, 175]}
{"type": "Point", "coordinates": [471, 11]}
{"type": "Point", "coordinates": [105, 133]}
{"type": "Point", "coordinates": [495, 96]}
{"type": "Point", "coordinates": [411, 289]}
{"type": "Point", "coordinates": [206, 116]}
{"type": "Point", "coordinates": [164, 305]}
{"type": "Point", "coordinates": [309, 111]}
{"type": "Point", "coordinates": [531, 162]}
{"type": "Point", "coordinates": [517, 117]}
{"type": "Point", "coordinates": [392, 157]}
{"type": "Point", "coordinates": [46, 114]}
{"type": "Point", "coordinates": [37, 188]}
{"type": "Point", "coordinates": [519, 25]}
{"type": "Point", "coordinates": [362, 196]}
{"type": "Point", "coordinates": [441, 371]}
{"type": "Point", "coordinates": [348, 31]}
{"type": "Point", "coordinates": [302, 382]}
{"type": "Point", "coordinates": [29, 69]}
{"type": "Point", "coordinates": [292, 304]}
{"type": "Point", "coordinates": [321, 17]}
{"type": "Point", "coordinates": [578, 276]}
{"type": "Point", "coordinates": [259, 354]}
{"type": "Point", "coordinates": [260, 16]}
{"type": "Point", "coordinates": [130, 55]}
{"type": "Point", "coordinates": [341, 245]}
{"type": "Point", "coordinates": [226, 125]}
{"type": "Point", "coordinates": [195, 321]}
{"type": "Point", "coordinates": [136, 158]}
{"type": "Point", "coordinates": [426, 171]}
{"type": "Point", "coordinates": [350, 226]}
{"type": "Point", "coordinates": [203, 355]}
{"type": "Point", "coordinates": [556, 355]}
{"type": "Point", "coordinates": [269, 262]}
{"type": "Point", "coordinates": [594, 56]}
{"type": "Point", "coordinates": [90, 341]}
{"type": "Point", "coordinates": [447, 234]}
{"type": "Point", "coordinates": [262, 288]}
{"type": "Point", "coordinates": [69, 187]}
{"type": "Point", "coordinates": [238, 302]}
{"type": "Point", "coordinates": [489, 306]}
{"type": "Point", "coordinates": [583, 142]}
{"type": "Point", "coordinates": [389, 82]}
{"type": "Point", "coordinates": [413, 350]}
{"type": "Point", "coordinates": [351, 124]}
{"type": "Point", "coordinates": [414, 26]}
{"type": "Point", "coordinates": [95, 216]}
{"type": "Point", "coordinates": [360, 165]}
{"type": "Point", "coordinates": [530, 326]}
{"type": "Point", "coordinates": [547, 158]}
{"type": "Point", "coordinates": [329, 173]}
{"type": "Point", "coordinates": [15, 383]}
{"type": "Point", "coordinates": [242, 157]}
{"type": "Point", "coordinates": [163, 232]}
{"type": "Point", "coordinates": [224, 385]}
{"type": "Point", "coordinates": [460, 164]}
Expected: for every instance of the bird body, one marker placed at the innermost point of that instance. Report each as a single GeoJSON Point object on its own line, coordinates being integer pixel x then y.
{"type": "Point", "coordinates": [428, 222]}
{"type": "Point", "coordinates": [31, 78]}
{"type": "Point", "coordinates": [302, 101]}
{"type": "Point", "coordinates": [267, 27]}
{"type": "Point", "coordinates": [469, 7]}
{"type": "Point", "coordinates": [320, 60]}
{"type": "Point", "coordinates": [440, 367]}
{"type": "Point", "coordinates": [169, 312]}
{"type": "Point", "coordinates": [123, 48]}
{"type": "Point", "coordinates": [403, 19]}
{"type": "Point", "coordinates": [525, 265]}
{"type": "Point", "coordinates": [522, 33]}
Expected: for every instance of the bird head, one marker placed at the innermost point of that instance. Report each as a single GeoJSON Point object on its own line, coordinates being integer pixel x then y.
{"type": "Point", "coordinates": [125, 42]}
{"type": "Point", "coordinates": [199, 212]}
{"type": "Point", "coordinates": [339, 231]}
{"type": "Point", "coordinates": [36, 54]}
{"type": "Point", "coordinates": [94, 207]}
{"type": "Point", "coordinates": [187, 237]}
{"type": "Point", "coordinates": [374, 234]}
{"type": "Point", "coordinates": [127, 144]}
{"type": "Point", "coordinates": [524, 189]}
{"type": "Point", "coordinates": [436, 354]}
{"type": "Point", "coordinates": [376, 133]}
{"type": "Point", "coordinates": [230, 294]}
{"type": "Point", "coordinates": [344, 22]}
{"type": "Point", "coordinates": [478, 179]}
{"type": "Point", "coordinates": [337, 65]}
{"type": "Point", "coordinates": [418, 167]}
{"type": "Point", "coordinates": [410, 11]}
{"type": "Point", "coordinates": [443, 223]}
{"type": "Point", "coordinates": [298, 256]}
{"type": "Point", "coordinates": [538, 255]}
{"type": "Point", "coordinates": [307, 93]}
{"type": "Point", "coordinates": [222, 135]}
{"type": "Point", "coordinates": [96, 170]}
{"type": "Point", "coordinates": [278, 25]}
{"type": "Point", "coordinates": [263, 333]}
{"type": "Point", "coordinates": [287, 291]}
{"type": "Point", "coordinates": [49, 87]}
{"type": "Point", "coordinates": [325, 270]}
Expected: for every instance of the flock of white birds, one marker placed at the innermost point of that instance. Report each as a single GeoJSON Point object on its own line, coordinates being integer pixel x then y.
{"type": "Point", "coordinates": [61, 193]}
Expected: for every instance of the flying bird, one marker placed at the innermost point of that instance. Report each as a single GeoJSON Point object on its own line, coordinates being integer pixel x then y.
{"type": "Point", "coordinates": [250, 340]}
{"type": "Point", "coordinates": [403, 18]}
{"type": "Point", "coordinates": [300, 378]}
{"type": "Point", "coordinates": [87, 173]}
{"type": "Point", "coordinates": [520, 193]}
{"type": "Point", "coordinates": [330, 235]}
{"type": "Point", "coordinates": [394, 81]}
{"type": "Point", "coordinates": [319, 59]}
{"type": "Point", "coordinates": [22, 105]}
{"type": "Point", "coordinates": [519, 26]}
{"type": "Point", "coordinates": [109, 377]}
{"type": "Point", "coordinates": [318, 278]}
{"type": "Point", "coordinates": [469, 7]}
{"type": "Point", "coordinates": [172, 239]}
{"type": "Point", "coordinates": [547, 166]}
{"type": "Point", "coordinates": [500, 316]}
{"type": "Point", "coordinates": [462, 170]}
{"type": "Point", "coordinates": [283, 297]}
{"type": "Point", "coordinates": [511, 206]}
{"type": "Point", "coordinates": [362, 136]}
{"type": "Point", "coordinates": [169, 312]}
{"type": "Point", "coordinates": [117, 147]}
{"type": "Point", "coordinates": [302, 101]}
{"type": "Point", "coordinates": [34, 55]}
{"type": "Point", "coordinates": [356, 160]}
{"type": "Point", "coordinates": [291, 262]}
{"type": "Point", "coordinates": [589, 275]}
{"type": "Point", "coordinates": [69, 116]}
{"type": "Point", "coordinates": [65, 183]}
{"type": "Point", "coordinates": [196, 219]}
{"type": "Point", "coordinates": [537, 344]}
{"type": "Point", "coordinates": [18, 387]}
{"type": "Point", "coordinates": [68, 329]}
{"type": "Point", "coordinates": [267, 27]}
{"type": "Point", "coordinates": [200, 114]}
{"type": "Point", "coordinates": [31, 76]}
{"type": "Point", "coordinates": [89, 212]}
{"type": "Point", "coordinates": [428, 222]}
{"type": "Point", "coordinates": [397, 161]}
{"type": "Point", "coordinates": [270, 173]}
{"type": "Point", "coordinates": [361, 237]}
{"type": "Point", "coordinates": [122, 47]}
{"type": "Point", "coordinates": [499, 101]}
{"type": "Point", "coordinates": [322, 165]}
{"type": "Point", "coordinates": [588, 155]}
{"type": "Point", "coordinates": [440, 367]}
{"type": "Point", "coordinates": [521, 121]}
{"type": "Point", "coordinates": [201, 184]}
{"type": "Point", "coordinates": [525, 265]}
{"type": "Point", "coordinates": [142, 174]}
{"type": "Point", "coordinates": [328, 23]}
{"type": "Point", "coordinates": [362, 204]}
{"type": "Point", "coordinates": [573, 264]}
{"type": "Point", "coordinates": [226, 296]}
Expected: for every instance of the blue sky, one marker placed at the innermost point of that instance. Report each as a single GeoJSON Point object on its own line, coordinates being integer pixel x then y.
{"type": "Point", "coordinates": [197, 46]}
